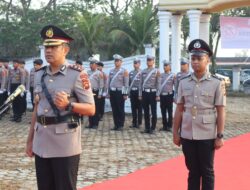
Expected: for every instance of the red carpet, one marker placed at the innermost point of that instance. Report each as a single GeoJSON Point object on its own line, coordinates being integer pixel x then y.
{"type": "Point", "coordinates": [232, 170]}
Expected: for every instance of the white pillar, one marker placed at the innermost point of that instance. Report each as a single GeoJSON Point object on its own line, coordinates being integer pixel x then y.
{"type": "Point", "coordinates": [194, 24]}
{"type": "Point", "coordinates": [164, 19]}
{"type": "Point", "coordinates": [205, 27]}
{"type": "Point", "coordinates": [42, 54]}
{"type": "Point", "coordinates": [176, 42]}
{"type": "Point", "coordinates": [149, 49]}
{"type": "Point", "coordinates": [236, 77]}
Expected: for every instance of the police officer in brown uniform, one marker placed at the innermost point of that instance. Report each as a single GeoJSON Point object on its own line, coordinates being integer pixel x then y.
{"type": "Point", "coordinates": [24, 100]}
{"type": "Point", "coordinates": [7, 71]}
{"type": "Point", "coordinates": [134, 83]}
{"type": "Point", "coordinates": [16, 78]}
{"type": "Point", "coordinates": [62, 92]}
{"type": "Point", "coordinates": [104, 93]}
{"type": "Point", "coordinates": [118, 92]}
{"type": "Point", "coordinates": [201, 115]}
{"type": "Point", "coordinates": [3, 82]}
{"type": "Point", "coordinates": [183, 73]}
{"type": "Point", "coordinates": [37, 65]}
{"type": "Point", "coordinates": [97, 84]}
{"type": "Point", "coordinates": [149, 93]}
{"type": "Point", "coordinates": [168, 81]}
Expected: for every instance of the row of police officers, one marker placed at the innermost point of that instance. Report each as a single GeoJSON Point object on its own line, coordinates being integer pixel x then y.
{"type": "Point", "coordinates": [11, 78]}
{"type": "Point", "coordinates": [143, 87]}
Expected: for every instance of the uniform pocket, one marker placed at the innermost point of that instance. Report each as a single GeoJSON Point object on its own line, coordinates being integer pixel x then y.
{"type": "Point", "coordinates": [209, 119]}
{"type": "Point", "coordinates": [64, 129]}
{"type": "Point", "coordinates": [187, 92]}
{"type": "Point", "coordinates": [207, 96]}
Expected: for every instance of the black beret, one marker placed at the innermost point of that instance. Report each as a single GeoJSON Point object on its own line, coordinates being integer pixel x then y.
{"type": "Point", "coordinates": [100, 64]}
{"type": "Point", "coordinates": [38, 61]}
{"type": "Point", "coordinates": [199, 47]}
{"type": "Point", "coordinates": [79, 62]}
{"type": "Point", "coordinates": [54, 36]}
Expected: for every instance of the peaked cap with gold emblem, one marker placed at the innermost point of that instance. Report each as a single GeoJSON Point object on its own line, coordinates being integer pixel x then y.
{"type": "Point", "coordinates": [199, 47]}
{"type": "Point", "coordinates": [54, 36]}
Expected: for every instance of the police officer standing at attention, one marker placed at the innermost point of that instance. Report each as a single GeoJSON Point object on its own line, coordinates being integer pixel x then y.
{"type": "Point", "coordinates": [97, 84]}
{"type": "Point", "coordinates": [149, 93]}
{"type": "Point", "coordinates": [62, 92]}
{"type": "Point", "coordinates": [37, 65]}
{"type": "Point", "coordinates": [24, 100]}
{"type": "Point", "coordinates": [104, 93]}
{"type": "Point", "coordinates": [134, 83]}
{"type": "Point", "coordinates": [7, 70]}
{"type": "Point", "coordinates": [16, 78]}
{"type": "Point", "coordinates": [183, 73]}
{"type": "Point", "coordinates": [3, 79]}
{"type": "Point", "coordinates": [118, 92]}
{"type": "Point", "coordinates": [168, 81]}
{"type": "Point", "coordinates": [201, 114]}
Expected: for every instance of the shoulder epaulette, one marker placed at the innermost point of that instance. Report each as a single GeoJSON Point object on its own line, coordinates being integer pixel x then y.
{"type": "Point", "coordinates": [186, 77]}
{"type": "Point", "coordinates": [214, 76]}
{"type": "Point", "coordinates": [42, 68]}
{"type": "Point", "coordinates": [75, 67]}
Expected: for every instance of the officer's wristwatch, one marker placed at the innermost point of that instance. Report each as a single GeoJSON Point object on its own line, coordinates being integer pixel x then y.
{"type": "Point", "coordinates": [220, 135]}
{"type": "Point", "coordinates": [69, 107]}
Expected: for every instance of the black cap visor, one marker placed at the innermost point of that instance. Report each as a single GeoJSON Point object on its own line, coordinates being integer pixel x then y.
{"type": "Point", "coordinates": [199, 53]}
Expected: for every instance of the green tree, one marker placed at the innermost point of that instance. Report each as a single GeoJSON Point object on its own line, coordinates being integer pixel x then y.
{"type": "Point", "coordinates": [140, 28]}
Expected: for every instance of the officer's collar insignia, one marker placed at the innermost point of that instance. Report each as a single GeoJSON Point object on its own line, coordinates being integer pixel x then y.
{"type": "Point", "coordinates": [63, 68]}
{"type": "Point", "coordinates": [197, 45]}
{"type": "Point", "coordinates": [49, 33]}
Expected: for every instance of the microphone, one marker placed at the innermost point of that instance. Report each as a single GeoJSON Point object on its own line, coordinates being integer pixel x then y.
{"type": "Point", "coordinates": [20, 89]}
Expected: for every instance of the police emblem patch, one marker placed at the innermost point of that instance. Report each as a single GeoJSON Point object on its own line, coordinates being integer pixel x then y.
{"type": "Point", "coordinates": [49, 33]}
{"type": "Point", "coordinates": [197, 44]}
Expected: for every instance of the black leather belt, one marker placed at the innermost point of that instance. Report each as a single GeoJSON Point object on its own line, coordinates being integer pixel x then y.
{"type": "Point", "coordinates": [95, 89]}
{"type": "Point", "coordinates": [54, 120]}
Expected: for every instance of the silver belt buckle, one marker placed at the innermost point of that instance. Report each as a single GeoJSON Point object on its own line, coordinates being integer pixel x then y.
{"type": "Point", "coordinates": [113, 89]}
{"type": "Point", "coordinates": [147, 90]}
{"type": "Point", "coordinates": [134, 88]}
{"type": "Point", "coordinates": [153, 90]}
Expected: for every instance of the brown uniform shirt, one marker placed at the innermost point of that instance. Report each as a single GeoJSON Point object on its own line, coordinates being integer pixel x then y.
{"type": "Point", "coordinates": [199, 99]}
{"type": "Point", "coordinates": [167, 87]}
{"type": "Point", "coordinates": [32, 77]}
{"type": "Point", "coordinates": [3, 78]}
{"type": "Point", "coordinates": [58, 140]}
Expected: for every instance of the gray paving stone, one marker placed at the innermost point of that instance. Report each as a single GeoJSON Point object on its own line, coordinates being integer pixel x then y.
{"type": "Point", "coordinates": [106, 154]}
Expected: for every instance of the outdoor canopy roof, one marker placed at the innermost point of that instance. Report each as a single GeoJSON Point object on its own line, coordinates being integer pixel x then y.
{"type": "Point", "coordinates": [208, 6]}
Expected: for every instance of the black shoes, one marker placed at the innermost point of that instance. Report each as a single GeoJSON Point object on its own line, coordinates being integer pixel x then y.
{"type": "Point", "coordinates": [91, 127]}
{"type": "Point", "coordinates": [167, 129]}
{"type": "Point", "coordinates": [117, 128]}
